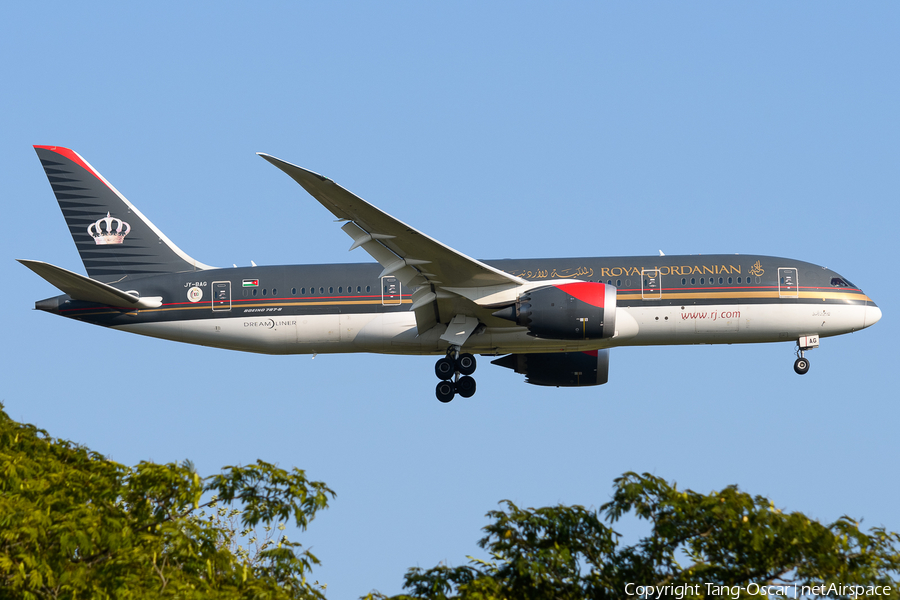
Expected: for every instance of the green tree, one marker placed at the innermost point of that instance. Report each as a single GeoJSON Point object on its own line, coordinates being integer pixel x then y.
{"type": "Point", "coordinates": [706, 541]}
{"type": "Point", "coordinates": [74, 524]}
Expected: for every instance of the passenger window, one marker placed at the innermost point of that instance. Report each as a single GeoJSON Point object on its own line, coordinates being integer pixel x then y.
{"type": "Point", "coordinates": [293, 291]}
{"type": "Point", "coordinates": [321, 290]}
{"type": "Point", "coordinates": [618, 283]}
{"type": "Point", "coordinates": [358, 289]}
{"type": "Point", "coordinates": [341, 290]}
{"type": "Point", "coordinates": [254, 291]}
{"type": "Point", "coordinates": [702, 280]}
{"type": "Point", "coordinates": [683, 280]}
{"type": "Point", "coordinates": [330, 290]}
{"type": "Point", "coordinates": [368, 289]}
{"type": "Point", "coordinates": [274, 292]}
{"type": "Point", "coordinates": [729, 280]}
{"type": "Point", "coordinates": [693, 280]}
{"type": "Point", "coordinates": [739, 279]}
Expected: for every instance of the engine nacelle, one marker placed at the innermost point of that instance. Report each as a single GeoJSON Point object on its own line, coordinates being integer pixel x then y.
{"type": "Point", "coordinates": [563, 369]}
{"type": "Point", "coordinates": [581, 310]}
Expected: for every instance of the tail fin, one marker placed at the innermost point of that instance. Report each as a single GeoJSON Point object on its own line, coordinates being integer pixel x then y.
{"type": "Point", "coordinates": [114, 239]}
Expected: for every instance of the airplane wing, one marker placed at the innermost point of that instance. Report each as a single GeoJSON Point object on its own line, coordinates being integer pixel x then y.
{"type": "Point", "coordinates": [438, 272]}
{"type": "Point", "coordinates": [413, 257]}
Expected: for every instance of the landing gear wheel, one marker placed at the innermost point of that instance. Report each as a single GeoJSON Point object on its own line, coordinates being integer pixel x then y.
{"type": "Point", "coordinates": [445, 368]}
{"type": "Point", "coordinates": [466, 364]}
{"type": "Point", "coordinates": [465, 387]}
{"type": "Point", "coordinates": [801, 366]}
{"type": "Point", "coordinates": [445, 391]}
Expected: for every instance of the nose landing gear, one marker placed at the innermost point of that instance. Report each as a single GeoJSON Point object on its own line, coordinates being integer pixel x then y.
{"type": "Point", "coordinates": [459, 368]}
{"type": "Point", "coordinates": [807, 342]}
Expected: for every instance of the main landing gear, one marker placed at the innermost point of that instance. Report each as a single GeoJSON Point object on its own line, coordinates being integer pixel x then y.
{"type": "Point", "coordinates": [458, 368]}
{"type": "Point", "coordinates": [807, 342]}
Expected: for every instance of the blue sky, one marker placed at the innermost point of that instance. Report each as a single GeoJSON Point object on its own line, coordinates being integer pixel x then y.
{"type": "Point", "coordinates": [510, 130]}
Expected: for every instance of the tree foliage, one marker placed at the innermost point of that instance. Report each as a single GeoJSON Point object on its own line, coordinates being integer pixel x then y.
{"type": "Point", "coordinates": [74, 524]}
{"type": "Point", "coordinates": [706, 541]}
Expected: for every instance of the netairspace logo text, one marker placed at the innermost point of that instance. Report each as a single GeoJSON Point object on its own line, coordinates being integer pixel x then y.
{"type": "Point", "coordinates": [735, 591]}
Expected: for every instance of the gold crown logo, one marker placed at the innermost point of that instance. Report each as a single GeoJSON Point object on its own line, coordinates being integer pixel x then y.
{"type": "Point", "coordinates": [103, 233]}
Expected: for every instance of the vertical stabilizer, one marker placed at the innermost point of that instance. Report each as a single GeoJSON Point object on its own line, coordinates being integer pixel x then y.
{"type": "Point", "coordinates": [114, 239]}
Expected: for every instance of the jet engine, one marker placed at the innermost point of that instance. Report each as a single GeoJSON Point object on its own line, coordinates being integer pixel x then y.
{"type": "Point", "coordinates": [563, 369]}
{"type": "Point", "coordinates": [581, 310]}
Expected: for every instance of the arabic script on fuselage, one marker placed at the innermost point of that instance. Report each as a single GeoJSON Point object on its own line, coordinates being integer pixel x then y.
{"type": "Point", "coordinates": [572, 273]}
{"type": "Point", "coordinates": [630, 271]}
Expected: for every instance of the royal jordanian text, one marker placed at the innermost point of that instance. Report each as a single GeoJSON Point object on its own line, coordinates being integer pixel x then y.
{"type": "Point", "coordinates": [632, 271]}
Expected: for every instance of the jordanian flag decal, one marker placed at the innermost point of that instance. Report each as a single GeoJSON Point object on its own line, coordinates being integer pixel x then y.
{"type": "Point", "coordinates": [251, 283]}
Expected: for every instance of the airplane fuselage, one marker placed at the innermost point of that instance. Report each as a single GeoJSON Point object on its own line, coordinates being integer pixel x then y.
{"type": "Point", "coordinates": [306, 309]}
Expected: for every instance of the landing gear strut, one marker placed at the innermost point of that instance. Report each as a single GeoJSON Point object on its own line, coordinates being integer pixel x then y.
{"type": "Point", "coordinates": [801, 365]}
{"type": "Point", "coordinates": [458, 368]}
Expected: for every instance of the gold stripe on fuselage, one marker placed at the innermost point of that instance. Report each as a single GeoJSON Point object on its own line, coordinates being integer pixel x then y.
{"type": "Point", "coordinates": [666, 295]}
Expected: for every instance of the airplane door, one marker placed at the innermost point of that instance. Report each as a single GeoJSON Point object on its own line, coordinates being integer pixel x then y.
{"type": "Point", "coordinates": [390, 290]}
{"type": "Point", "coordinates": [651, 286]}
{"type": "Point", "coordinates": [221, 296]}
{"type": "Point", "coordinates": [788, 284]}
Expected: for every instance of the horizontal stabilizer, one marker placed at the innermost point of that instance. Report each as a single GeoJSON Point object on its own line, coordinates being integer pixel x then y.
{"type": "Point", "coordinates": [79, 287]}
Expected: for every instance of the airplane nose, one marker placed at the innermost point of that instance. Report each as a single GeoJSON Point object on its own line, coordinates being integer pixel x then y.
{"type": "Point", "coordinates": [873, 315]}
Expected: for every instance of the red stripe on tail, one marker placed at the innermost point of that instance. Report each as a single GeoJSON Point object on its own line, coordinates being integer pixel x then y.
{"type": "Point", "coordinates": [73, 156]}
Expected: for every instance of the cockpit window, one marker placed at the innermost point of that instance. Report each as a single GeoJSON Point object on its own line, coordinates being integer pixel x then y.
{"type": "Point", "coordinates": [838, 282]}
